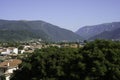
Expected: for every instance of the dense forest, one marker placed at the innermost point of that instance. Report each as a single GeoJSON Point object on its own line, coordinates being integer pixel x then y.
{"type": "Point", "coordinates": [97, 60]}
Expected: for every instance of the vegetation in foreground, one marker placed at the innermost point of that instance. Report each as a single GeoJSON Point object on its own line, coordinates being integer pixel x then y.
{"type": "Point", "coordinates": [98, 60]}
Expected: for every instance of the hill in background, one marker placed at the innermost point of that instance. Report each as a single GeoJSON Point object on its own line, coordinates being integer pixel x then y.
{"type": "Point", "coordinates": [11, 30]}
{"type": "Point", "coordinates": [102, 31]}
{"type": "Point", "coordinates": [112, 35]}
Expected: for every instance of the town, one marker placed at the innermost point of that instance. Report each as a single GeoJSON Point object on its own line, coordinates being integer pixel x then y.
{"type": "Point", "coordinates": [11, 54]}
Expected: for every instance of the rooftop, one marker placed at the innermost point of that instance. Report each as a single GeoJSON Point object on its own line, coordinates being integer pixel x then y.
{"type": "Point", "coordinates": [10, 63]}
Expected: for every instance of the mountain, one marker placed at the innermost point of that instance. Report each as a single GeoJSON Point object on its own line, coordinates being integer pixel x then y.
{"type": "Point", "coordinates": [91, 31]}
{"type": "Point", "coordinates": [109, 35]}
{"type": "Point", "coordinates": [12, 30]}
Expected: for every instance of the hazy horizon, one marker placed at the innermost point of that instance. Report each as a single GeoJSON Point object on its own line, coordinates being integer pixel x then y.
{"type": "Point", "coordinates": [68, 14]}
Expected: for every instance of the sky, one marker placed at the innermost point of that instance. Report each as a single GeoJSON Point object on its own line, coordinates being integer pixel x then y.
{"type": "Point", "coordinates": [68, 14]}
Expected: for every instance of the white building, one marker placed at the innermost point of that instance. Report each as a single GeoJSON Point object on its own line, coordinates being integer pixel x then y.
{"type": "Point", "coordinates": [22, 51]}
{"type": "Point", "coordinates": [6, 52]}
{"type": "Point", "coordinates": [15, 50]}
{"type": "Point", "coordinates": [9, 50]}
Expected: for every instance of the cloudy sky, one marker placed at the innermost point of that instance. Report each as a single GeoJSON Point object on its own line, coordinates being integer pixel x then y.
{"type": "Point", "coordinates": [68, 14]}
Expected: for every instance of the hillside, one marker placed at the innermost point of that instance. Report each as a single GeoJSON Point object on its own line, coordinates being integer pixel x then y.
{"type": "Point", "coordinates": [111, 35]}
{"type": "Point", "coordinates": [90, 31]}
{"type": "Point", "coordinates": [11, 30]}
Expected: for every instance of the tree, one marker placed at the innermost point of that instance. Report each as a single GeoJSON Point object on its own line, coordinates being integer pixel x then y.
{"type": "Point", "coordinates": [97, 60]}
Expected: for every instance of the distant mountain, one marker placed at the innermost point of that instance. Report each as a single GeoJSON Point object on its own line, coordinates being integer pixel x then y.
{"type": "Point", "coordinates": [11, 30]}
{"type": "Point", "coordinates": [91, 31]}
{"type": "Point", "coordinates": [109, 35]}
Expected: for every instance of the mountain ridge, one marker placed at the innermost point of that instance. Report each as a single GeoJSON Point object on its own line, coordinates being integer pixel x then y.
{"type": "Point", "coordinates": [91, 31]}
{"type": "Point", "coordinates": [34, 30]}
{"type": "Point", "coordinates": [108, 35]}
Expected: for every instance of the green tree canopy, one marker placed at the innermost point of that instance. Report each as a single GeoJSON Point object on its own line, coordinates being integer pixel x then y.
{"type": "Point", "coordinates": [97, 60]}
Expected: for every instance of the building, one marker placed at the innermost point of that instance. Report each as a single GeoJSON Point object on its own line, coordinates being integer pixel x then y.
{"type": "Point", "coordinates": [15, 50]}
{"type": "Point", "coordinates": [9, 50]}
{"type": "Point", "coordinates": [6, 51]}
{"type": "Point", "coordinates": [7, 67]}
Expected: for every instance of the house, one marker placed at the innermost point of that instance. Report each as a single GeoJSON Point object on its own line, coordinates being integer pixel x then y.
{"type": "Point", "coordinates": [26, 46]}
{"type": "Point", "coordinates": [7, 67]}
{"type": "Point", "coordinates": [15, 50]}
{"type": "Point", "coordinates": [5, 51]}
{"type": "Point", "coordinates": [74, 45]}
{"type": "Point", "coordinates": [1, 49]}
{"type": "Point", "coordinates": [22, 51]}
{"type": "Point", "coordinates": [9, 50]}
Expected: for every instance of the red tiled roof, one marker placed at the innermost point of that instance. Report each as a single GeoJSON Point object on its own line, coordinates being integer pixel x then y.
{"type": "Point", "coordinates": [10, 63]}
